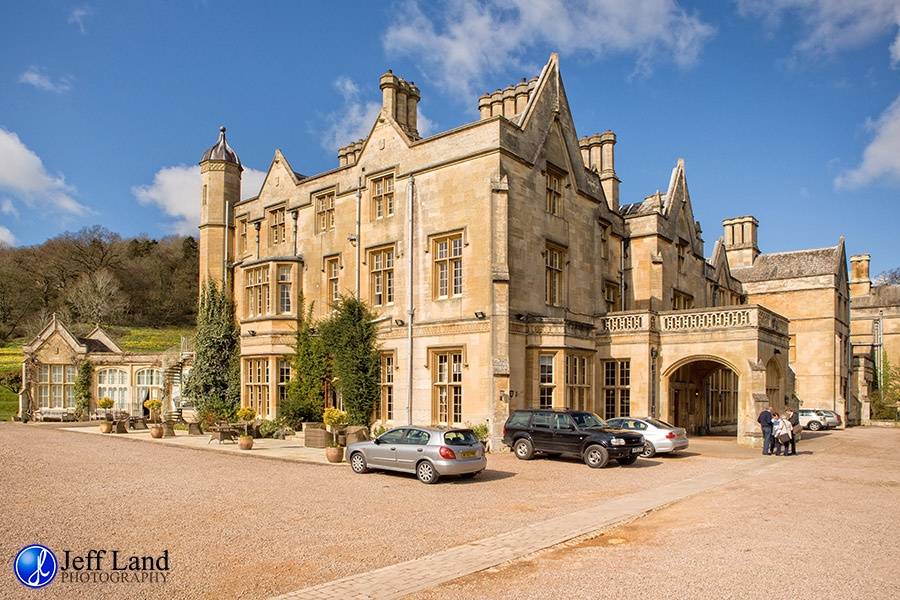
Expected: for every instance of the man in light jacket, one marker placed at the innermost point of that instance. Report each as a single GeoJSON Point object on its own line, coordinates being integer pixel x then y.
{"type": "Point", "coordinates": [765, 422]}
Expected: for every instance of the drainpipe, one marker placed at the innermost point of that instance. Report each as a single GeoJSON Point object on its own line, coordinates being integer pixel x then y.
{"type": "Point", "coordinates": [621, 273]}
{"type": "Point", "coordinates": [358, 225]}
{"type": "Point", "coordinates": [225, 255]}
{"type": "Point", "coordinates": [411, 309]}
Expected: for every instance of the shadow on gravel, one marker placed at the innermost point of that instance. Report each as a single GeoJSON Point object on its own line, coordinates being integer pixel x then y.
{"type": "Point", "coordinates": [484, 477]}
{"type": "Point", "coordinates": [640, 463]}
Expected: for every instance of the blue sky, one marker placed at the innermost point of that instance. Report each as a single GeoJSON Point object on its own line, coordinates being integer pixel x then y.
{"type": "Point", "coordinates": [786, 109]}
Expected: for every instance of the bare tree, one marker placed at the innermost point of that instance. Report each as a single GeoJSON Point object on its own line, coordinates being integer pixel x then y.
{"type": "Point", "coordinates": [891, 277]}
{"type": "Point", "coordinates": [96, 297]}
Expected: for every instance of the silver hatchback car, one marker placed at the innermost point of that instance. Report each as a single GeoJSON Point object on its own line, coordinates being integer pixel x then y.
{"type": "Point", "coordinates": [429, 452]}
{"type": "Point", "coordinates": [659, 436]}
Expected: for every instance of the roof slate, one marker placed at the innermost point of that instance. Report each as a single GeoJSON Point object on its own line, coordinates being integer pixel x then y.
{"type": "Point", "coordinates": [790, 265]}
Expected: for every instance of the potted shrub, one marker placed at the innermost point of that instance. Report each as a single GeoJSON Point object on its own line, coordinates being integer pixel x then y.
{"type": "Point", "coordinates": [246, 416]}
{"type": "Point", "coordinates": [334, 419]}
{"type": "Point", "coordinates": [106, 425]}
{"type": "Point", "coordinates": [154, 407]}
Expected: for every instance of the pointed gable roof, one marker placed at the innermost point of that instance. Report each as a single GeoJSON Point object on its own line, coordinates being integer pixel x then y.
{"type": "Point", "coordinates": [98, 340]}
{"type": "Point", "coordinates": [55, 326]}
{"type": "Point", "coordinates": [547, 113]}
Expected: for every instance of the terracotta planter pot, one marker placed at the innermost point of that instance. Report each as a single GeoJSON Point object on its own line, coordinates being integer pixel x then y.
{"type": "Point", "coordinates": [106, 426]}
{"type": "Point", "coordinates": [156, 431]}
{"type": "Point", "coordinates": [245, 442]}
{"type": "Point", "coordinates": [334, 455]}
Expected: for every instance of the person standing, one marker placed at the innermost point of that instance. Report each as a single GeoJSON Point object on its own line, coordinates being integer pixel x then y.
{"type": "Point", "coordinates": [781, 433]}
{"type": "Point", "coordinates": [765, 423]}
{"type": "Point", "coordinates": [796, 428]}
{"type": "Point", "coordinates": [776, 430]}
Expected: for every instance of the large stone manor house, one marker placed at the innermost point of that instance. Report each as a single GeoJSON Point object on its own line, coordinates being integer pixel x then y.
{"type": "Point", "coordinates": [507, 273]}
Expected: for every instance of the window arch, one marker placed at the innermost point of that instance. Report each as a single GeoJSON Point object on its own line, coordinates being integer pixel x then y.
{"type": "Point", "coordinates": [113, 383]}
{"type": "Point", "coordinates": [149, 386]}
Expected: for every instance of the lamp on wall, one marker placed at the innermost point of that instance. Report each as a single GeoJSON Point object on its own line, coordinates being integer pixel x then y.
{"type": "Point", "coordinates": [399, 322]}
{"type": "Point", "coordinates": [479, 314]}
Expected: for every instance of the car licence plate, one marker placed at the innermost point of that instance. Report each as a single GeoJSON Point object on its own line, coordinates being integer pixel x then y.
{"type": "Point", "coordinates": [635, 450]}
{"type": "Point", "coordinates": [467, 454]}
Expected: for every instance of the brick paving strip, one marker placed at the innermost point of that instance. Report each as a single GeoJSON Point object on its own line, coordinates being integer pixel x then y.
{"type": "Point", "coordinates": [401, 579]}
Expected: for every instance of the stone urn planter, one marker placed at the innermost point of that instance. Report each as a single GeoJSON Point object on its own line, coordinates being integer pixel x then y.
{"type": "Point", "coordinates": [157, 430]}
{"type": "Point", "coordinates": [334, 454]}
{"type": "Point", "coordinates": [106, 426]}
{"type": "Point", "coordinates": [245, 442]}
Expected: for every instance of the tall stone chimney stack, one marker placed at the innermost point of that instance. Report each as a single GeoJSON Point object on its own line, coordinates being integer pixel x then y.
{"type": "Point", "coordinates": [608, 178]}
{"type": "Point", "coordinates": [400, 101]}
{"type": "Point", "coordinates": [598, 154]}
{"type": "Point", "coordinates": [860, 283]}
{"type": "Point", "coordinates": [741, 243]}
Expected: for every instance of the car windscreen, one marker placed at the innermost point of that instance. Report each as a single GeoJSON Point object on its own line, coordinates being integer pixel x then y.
{"type": "Point", "coordinates": [460, 437]}
{"type": "Point", "coordinates": [660, 424]}
{"type": "Point", "coordinates": [585, 419]}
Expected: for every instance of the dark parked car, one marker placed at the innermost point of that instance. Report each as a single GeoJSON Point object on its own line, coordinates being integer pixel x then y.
{"type": "Point", "coordinates": [573, 433]}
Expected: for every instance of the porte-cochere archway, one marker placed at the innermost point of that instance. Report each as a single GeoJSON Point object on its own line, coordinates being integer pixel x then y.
{"type": "Point", "coordinates": [703, 395]}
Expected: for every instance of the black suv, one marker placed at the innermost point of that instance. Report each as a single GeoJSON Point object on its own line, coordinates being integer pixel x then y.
{"type": "Point", "coordinates": [570, 432]}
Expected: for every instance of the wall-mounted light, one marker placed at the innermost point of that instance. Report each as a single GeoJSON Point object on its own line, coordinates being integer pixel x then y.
{"type": "Point", "coordinates": [399, 322]}
{"type": "Point", "coordinates": [479, 314]}
{"type": "Point", "coordinates": [251, 332]}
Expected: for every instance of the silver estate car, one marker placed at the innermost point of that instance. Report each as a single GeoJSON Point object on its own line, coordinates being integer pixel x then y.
{"type": "Point", "coordinates": [429, 452]}
{"type": "Point", "coordinates": [659, 436]}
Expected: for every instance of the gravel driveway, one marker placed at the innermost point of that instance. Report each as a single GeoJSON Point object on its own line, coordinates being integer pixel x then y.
{"type": "Point", "coordinates": [236, 526]}
{"type": "Point", "coordinates": [820, 526]}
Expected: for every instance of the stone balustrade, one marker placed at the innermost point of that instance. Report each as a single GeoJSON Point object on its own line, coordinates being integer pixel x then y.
{"type": "Point", "coordinates": [626, 322]}
{"type": "Point", "coordinates": [710, 319]}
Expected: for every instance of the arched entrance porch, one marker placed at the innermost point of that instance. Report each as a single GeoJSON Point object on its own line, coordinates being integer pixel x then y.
{"type": "Point", "coordinates": [703, 396]}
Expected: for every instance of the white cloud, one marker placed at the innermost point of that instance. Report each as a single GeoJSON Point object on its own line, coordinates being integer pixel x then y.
{"type": "Point", "coordinates": [832, 25]}
{"type": "Point", "coordinates": [881, 158]}
{"type": "Point", "coordinates": [8, 208]}
{"type": "Point", "coordinates": [7, 237]}
{"type": "Point", "coordinates": [473, 39]}
{"type": "Point", "coordinates": [176, 190]}
{"type": "Point", "coordinates": [35, 77]}
{"type": "Point", "coordinates": [77, 16]}
{"type": "Point", "coordinates": [354, 119]}
{"type": "Point", "coordinates": [22, 175]}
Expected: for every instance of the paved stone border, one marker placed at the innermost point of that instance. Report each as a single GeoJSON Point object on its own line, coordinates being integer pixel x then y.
{"type": "Point", "coordinates": [267, 449]}
{"type": "Point", "coordinates": [401, 579]}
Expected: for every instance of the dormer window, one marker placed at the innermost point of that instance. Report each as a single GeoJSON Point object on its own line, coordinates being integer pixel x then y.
{"type": "Point", "coordinates": [276, 226]}
{"type": "Point", "coordinates": [554, 191]}
{"type": "Point", "coordinates": [682, 256]}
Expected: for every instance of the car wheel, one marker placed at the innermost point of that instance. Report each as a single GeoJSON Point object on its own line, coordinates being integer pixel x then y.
{"type": "Point", "coordinates": [596, 456]}
{"type": "Point", "coordinates": [627, 461]}
{"type": "Point", "coordinates": [524, 449]}
{"type": "Point", "coordinates": [649, 450]}
{"type": "Point", "coordinates": [358, 463]}
{"type": "Point", "coordinates": [815, 426]}
{"type": "Point", "coordinates": [426, 472]}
